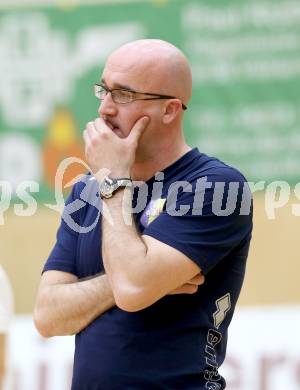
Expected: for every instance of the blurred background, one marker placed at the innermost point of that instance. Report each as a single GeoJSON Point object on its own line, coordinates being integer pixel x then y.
{"type": "Point", "coordinates": [245, 57]}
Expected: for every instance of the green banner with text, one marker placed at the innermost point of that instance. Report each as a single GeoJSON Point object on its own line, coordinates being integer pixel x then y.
{"type": "Point", "coordinates": [245, 58]}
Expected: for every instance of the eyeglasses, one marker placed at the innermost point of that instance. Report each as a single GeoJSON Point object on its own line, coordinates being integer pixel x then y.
{"type": "Point", "coordinates": [124, 96]}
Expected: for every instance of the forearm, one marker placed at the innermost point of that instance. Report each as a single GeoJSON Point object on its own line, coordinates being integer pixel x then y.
{"type": "Point", "coordinates": [64, 309]}
{"type": "Point", "coordinates": [141, 271]}
{"type": "Point", "coordinates": [123, 250]}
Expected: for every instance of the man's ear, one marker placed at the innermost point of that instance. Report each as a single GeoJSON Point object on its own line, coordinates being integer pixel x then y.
{"type": "Point", "coordinates": [172, 109]}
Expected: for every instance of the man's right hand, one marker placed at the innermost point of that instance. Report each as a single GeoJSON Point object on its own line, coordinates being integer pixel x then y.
{"type": "Point", "coordinates": [189, 287]}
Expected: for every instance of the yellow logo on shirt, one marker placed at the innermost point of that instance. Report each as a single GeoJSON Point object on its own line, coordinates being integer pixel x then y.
{"type": "Point", "coordinates": [152, 211]}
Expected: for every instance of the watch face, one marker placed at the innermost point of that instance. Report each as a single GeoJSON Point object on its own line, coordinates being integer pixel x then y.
{"type": "Point", "coordinates": [106, 188]}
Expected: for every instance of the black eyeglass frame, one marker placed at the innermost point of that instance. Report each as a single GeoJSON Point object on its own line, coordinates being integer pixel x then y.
{"type": "Point", "coordinates": [156, 95]}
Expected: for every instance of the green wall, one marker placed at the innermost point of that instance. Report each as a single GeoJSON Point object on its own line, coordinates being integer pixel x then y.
{"type": "Point", "coordinates": [245, 58]}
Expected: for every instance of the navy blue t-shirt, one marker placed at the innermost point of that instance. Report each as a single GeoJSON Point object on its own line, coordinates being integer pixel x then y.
{"type": "Point", "coordinates": [200, 206]}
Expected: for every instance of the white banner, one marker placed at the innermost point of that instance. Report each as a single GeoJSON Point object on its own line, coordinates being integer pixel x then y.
{"type": "Point", "coordinates": [263, 353]}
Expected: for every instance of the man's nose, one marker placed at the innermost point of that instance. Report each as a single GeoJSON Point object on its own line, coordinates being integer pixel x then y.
{"type": "Point", "coordinates": [107, 106]}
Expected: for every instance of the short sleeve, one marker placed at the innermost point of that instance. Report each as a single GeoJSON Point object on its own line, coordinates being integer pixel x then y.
{"type": "Point", "coordinates": [6, 302]}
{"type": "Point", "coordinates": [209, 232]}
{"type": "Point", "coordinates": [63, 254]}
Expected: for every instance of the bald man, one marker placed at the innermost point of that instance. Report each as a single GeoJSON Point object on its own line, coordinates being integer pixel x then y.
{"type": "Point", "coordinates": [150, 288]}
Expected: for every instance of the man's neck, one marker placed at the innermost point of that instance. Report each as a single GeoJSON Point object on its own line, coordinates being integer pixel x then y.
{"type": "Point", "coordinates": [144, 170]}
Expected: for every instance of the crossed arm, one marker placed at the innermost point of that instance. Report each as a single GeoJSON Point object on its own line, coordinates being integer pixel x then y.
{"type": "Point", "coordinates": [65, 305]}
{"type": "Point", "coordinates": [139, 271]}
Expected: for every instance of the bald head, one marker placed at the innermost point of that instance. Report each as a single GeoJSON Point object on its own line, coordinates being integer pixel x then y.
{"type": "Point", "coordinates": [159, 66]}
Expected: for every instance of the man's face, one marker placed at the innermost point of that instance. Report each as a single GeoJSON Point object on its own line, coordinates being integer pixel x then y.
{"type": "Point", "coordinates": [122, 117]}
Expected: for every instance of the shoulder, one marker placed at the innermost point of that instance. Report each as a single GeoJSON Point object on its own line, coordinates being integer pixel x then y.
{"type": "Point", "coordinates": [82, 204]}
{"type": "Point", "coordinates": [207, 185]}
{"type": "Point", "coordinates": [85, 190]}
{"type": "Point", "coordinates": [213, 169]}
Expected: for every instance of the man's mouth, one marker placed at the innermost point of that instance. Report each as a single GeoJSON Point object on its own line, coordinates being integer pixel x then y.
{"type": "Point", "coordinates": [117, 130]}
{"type": "Point", "coordinates": [113, 126]}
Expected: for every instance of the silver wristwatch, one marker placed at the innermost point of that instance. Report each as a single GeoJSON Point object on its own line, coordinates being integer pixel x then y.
{"type": "Point", "coordinates": [109, 185]}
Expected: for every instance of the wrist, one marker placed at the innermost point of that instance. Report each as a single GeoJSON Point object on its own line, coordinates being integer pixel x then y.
{"type": "Point", "coordinates": [119, 172]}
{"type": "Point", "coordinates": [120, 201]}
{"type": "Point", "coordinates": [109, 186]}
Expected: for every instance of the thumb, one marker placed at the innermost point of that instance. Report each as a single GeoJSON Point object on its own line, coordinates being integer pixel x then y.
{"type": "Point", "coordinates": [138, 129]}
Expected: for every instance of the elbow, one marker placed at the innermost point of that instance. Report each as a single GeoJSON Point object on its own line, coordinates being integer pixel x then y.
{"type": "Point", "coordinates": [131, 298]}
{"type": "Point", "coordinates": [129, 305]}
{"type": "Point", "coordinates": [41, 324]}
